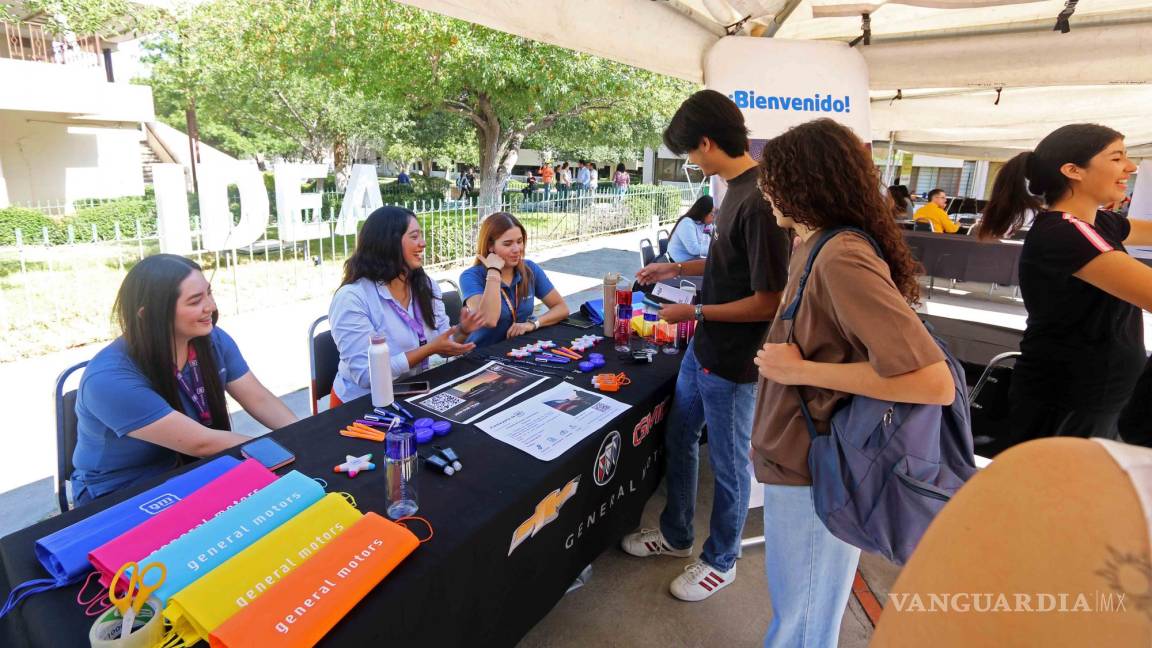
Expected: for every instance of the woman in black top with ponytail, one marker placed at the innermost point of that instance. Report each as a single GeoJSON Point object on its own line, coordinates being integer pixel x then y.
{"type": "Point", "coordinates": [1083, 347]}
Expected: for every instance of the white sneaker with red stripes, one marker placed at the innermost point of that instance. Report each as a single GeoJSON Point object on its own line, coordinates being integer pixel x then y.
{"type": "Point", "coordinates": [651, 542]}
{"type": "Point", "coordinates": [701, 580]}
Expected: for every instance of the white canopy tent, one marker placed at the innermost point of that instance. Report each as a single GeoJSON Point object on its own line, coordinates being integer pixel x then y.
{"type": "Point", "coordinates": [968, 78]}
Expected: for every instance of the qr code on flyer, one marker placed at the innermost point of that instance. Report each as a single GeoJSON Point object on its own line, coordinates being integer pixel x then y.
{"type": "Point", "coordinates": [441, 402]}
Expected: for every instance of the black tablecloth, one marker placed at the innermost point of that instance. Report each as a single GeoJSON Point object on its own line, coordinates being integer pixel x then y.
{"type": "Point", "coordinates": [464, 586]}
{"type": "Point", "coordinates": [966, 258]}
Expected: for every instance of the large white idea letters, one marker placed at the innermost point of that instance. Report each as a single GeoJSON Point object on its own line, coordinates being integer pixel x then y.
{"type": "Point", "coordinates": [219, 231]}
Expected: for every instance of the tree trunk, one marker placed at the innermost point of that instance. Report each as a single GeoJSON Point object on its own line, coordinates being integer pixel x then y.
{"type": "Point", "coordinates": [340, 161]}
{"type": "Point", "coordinates": [498, 154]}
{"type": "Point", "coordinates": [426, 167]}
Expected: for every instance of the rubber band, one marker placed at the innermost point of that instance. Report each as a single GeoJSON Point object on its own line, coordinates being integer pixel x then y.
{"type": "Point", "coordinates": [88, 581]}
{"type": "Point", "coordinates": [431, 532]}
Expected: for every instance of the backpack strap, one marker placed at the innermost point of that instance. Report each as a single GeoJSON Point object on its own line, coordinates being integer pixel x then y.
{"type": "Point", "coordinates": [789, 314]}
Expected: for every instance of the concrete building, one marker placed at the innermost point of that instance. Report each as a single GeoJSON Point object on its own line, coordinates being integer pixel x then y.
{"type": "Point", "coordinates": [70, 128]}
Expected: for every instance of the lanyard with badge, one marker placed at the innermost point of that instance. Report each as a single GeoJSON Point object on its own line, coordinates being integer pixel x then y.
{"type": "Point", "coordinates": [411, 322]}
{"type": "Point", "coordinates": [508, 303]}
{"type": "Point", "coordinates": [193, 387]}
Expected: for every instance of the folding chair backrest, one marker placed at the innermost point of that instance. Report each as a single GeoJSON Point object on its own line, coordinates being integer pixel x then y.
{"type": "Point", "coordinates": [323, 361]}
{"type": "Point", "coordinates": [66, 433]}
{"type": "Point", "coordinates": [662, 240]}
{"type": "Point", "coordinates": [450, 292]}
{"type": "Point", "coordinates": [647, 252]}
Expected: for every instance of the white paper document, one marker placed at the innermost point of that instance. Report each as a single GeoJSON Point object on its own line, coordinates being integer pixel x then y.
{"type": "Point", "coordinates": [548, 424]}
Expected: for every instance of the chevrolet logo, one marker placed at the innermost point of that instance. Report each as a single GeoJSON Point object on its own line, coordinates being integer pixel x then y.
{"type": "Point", "coordinates": [546, 511]}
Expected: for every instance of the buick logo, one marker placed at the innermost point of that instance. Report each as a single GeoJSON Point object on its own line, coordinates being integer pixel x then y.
{"type": "Point", "coordinates": [607, 459]}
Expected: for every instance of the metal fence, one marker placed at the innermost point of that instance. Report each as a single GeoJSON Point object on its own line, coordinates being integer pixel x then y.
{"type": "Point", "coordinates": [55, 295]}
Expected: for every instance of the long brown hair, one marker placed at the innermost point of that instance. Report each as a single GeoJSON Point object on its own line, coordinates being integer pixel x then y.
{"type": "Point", "coordinates": [145, 310]}
{"type": "Point", "coordinates": [491, 230]}
{"type": "Point", "coordinates": [379, 257]}
{"type": "Point", "coordinates": [820, 175]}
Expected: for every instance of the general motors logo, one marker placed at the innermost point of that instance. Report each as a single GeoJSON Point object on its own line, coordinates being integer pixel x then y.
{"type": "Point", "coordinates": [159, 503]}
{"type": "Point", "coordinates": [607, 459]}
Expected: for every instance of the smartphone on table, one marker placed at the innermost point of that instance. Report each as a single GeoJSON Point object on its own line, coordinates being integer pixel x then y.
{"type": "Point", "coordinates": [270, 454]}
{"type": "Point", "coordinates": [411, 388]}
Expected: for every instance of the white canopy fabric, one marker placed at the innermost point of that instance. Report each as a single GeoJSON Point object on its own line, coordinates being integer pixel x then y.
{"type": "Point", "coordinates": [1100, 71]}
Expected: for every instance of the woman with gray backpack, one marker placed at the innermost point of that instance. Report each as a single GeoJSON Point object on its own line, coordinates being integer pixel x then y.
{"type": "Point", "coordinates": [858, 406]}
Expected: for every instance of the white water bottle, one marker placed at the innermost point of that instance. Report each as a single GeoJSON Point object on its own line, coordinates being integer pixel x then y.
{"type": "Point", "coordinates": [380, 372]}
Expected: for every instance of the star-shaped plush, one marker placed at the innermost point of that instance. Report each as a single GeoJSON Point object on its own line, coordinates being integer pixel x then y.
{"type": "Point", "coordinates": [354, 465]}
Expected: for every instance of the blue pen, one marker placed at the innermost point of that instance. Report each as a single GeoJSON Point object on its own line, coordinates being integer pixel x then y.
{"type": "Point", "coordinates": [554, 359]}
{"type": "Point", "coordinates": [387, 415]}
{"type": "Point", "coordinates": [403, 412]}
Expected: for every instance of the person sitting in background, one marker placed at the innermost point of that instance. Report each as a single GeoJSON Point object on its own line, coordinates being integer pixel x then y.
{"type": "Point", "coordinates": [934, 213]}
{"type": "Point", "coordinates": [690, 237]}
{"type": "Point", "coordinates": [157, 391]}
{"type": "Point", "coordinates": [503, 285]}
{"type": "Point", "coordinates": [902, 200]}
{"type": "Point", "coordinates": [403, 178]}
{"type": "Point", "coordinates": [385, 292]}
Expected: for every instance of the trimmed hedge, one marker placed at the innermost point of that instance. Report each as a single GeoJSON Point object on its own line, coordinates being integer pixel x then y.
{"type": "Point", "coordinates": [30, 222]}
{"type": "Point", "coordinates": [105, 214]}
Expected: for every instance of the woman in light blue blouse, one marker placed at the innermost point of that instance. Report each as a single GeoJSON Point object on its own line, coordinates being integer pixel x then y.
{"type": "Point", "coordinates": [692, 234]}
{"type": "Point", "coordinates": [386, 293]}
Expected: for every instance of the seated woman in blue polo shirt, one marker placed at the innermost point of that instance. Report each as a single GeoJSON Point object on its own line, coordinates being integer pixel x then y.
{"type": "Point", "coordinates": [502, 286]}
{"type": "Point", "coordinates": [386, 293]}
{"type": "Point", "coordinates": [157, 391]}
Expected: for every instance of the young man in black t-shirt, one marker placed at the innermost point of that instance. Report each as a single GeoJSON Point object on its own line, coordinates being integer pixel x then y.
{"type": "Point", "coordinates": [744, 274]}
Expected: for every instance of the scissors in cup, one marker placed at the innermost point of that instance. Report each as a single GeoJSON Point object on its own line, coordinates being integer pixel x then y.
{"type": "Point", "coordinates": [137, 592]}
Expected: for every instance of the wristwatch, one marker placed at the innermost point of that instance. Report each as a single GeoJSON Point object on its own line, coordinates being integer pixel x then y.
{"type": "Point", "coordinates": [699, 312]}
{"type": "Point", "coordinates": [535, 324]}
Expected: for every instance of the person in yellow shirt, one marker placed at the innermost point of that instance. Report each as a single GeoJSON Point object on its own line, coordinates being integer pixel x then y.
{"type": "Point", "coordinates": [934, 213]}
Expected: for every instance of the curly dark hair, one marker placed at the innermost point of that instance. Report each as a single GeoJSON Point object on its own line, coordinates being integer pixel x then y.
{"type": "Point", "coordinates": [820, 175]}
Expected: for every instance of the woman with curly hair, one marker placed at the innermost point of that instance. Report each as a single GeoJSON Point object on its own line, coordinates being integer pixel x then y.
{"type": "Point", "coordinates": [854, 333]}
{"type": "Point", "coordinates": [385, 292]}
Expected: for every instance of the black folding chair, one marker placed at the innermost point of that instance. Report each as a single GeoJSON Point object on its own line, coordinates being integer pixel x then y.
{"type": "Point", "coordinates": [65, 434]}
{"type": "Point", "coordinates": [662, 237]}
{"type": "Point", "coordinates": [647, 252]}
{"type": "Point", "coordinates": [323, 361]}
{"type": "Point", "coordinates": [450, 293]}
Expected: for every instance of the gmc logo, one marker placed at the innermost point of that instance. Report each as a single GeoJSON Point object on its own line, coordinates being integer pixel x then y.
{"type": "Point", "coordinates": [640, 432]}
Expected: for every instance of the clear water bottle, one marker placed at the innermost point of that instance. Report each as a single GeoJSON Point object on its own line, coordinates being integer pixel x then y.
{"type": "Point", "coordinates": [651, 319]}
{"type": "Point", "coordinates": [401, 465]}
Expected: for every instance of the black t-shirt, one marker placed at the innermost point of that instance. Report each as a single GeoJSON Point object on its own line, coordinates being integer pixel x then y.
{"type": "Point", "coordinates": [1082, 347]}
{"type": "Point", "coordinates": [750, 254]}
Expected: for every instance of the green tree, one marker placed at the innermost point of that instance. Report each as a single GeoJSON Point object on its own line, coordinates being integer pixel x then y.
{"type": "Point", "coordinates": [507, 88]}
{"type": "Point", "coordinates": [210, 59]}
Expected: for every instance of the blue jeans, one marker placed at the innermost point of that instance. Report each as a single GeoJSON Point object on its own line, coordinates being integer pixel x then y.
{"type": "Point", "coordinates": [809, 570]}
{"type": "Point", "coordinates": [703, 397]}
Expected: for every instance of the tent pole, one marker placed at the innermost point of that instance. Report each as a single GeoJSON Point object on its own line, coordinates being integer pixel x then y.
{"type": "Point", "coordinates": [891, 159]}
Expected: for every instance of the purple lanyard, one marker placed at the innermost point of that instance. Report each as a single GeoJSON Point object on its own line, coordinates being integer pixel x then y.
{"type": "Point", "coordinates": [195, 391]}
{"type": "Point", "coordinates": [413, 323]}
